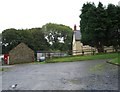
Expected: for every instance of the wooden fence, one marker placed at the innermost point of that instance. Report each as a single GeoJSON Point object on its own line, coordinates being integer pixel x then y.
{"type": "Point", "coordinates": [92, 51]}
{"type": "Point", "coordinates": [50, 54]}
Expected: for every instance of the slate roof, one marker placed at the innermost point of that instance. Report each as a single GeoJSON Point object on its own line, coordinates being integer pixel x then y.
{"type": "Point", "coordinates": [77, 35]}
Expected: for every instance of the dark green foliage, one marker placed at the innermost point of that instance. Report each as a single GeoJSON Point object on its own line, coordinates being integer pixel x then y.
{"type": "Point", "coordinates": [99, 25]}
{"type": "Point", "coordinates": [0, 43]}
{"type": "Point", "coordinates": [44, 39]}
{"type": "Point", "coordinates": [85, 23]}
{"type": "Point", "coordinates": [39, 42]}
{"type": "Point", "coordinates": [112, 25]}
{"type": "Point", "coordinates": [59, 36]}
{"type": "Point", "coordinates": [10, 39]}
{"type": "Point", "coordinates": [34, 38]}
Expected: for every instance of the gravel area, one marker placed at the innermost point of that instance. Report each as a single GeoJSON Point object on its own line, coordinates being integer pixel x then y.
{"type": "Point", "coordinates": [83, 75]}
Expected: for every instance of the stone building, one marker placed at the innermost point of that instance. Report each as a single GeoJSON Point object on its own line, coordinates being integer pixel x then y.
{"type": "Point", "coordinates": [77, 45]}
{"type": "Point", "coordinates": [21, 54]}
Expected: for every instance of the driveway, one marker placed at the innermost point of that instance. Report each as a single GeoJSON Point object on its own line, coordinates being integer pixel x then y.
{"type": "Point", "coordinates": [83, 75]}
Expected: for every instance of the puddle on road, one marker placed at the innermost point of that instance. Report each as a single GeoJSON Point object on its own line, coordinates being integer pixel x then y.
{"type": "Point", "coordinates": [74, 81]}
{"type": "Point", "coordinates": [98, 68]}
{"type": "Point", "coordinates": [102, 68]}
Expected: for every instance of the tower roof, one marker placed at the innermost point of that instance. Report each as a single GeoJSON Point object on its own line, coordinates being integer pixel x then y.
{"type": "Point", "coordinates": [77, 34]}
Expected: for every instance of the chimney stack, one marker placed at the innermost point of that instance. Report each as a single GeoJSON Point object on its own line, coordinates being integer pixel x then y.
{"type": "Point", "coordinates": [75, 27]}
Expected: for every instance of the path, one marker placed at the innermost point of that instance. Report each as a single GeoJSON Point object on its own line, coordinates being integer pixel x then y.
{"type": "Point", "coordinates": [83, 75]}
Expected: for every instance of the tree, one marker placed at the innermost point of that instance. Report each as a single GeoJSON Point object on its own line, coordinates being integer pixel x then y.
{"type": "Point", "coordinates": [85, 24]}
{"type": "Point", "coordinates": [38, 42]}
{"type": "Point", "coordinates": [34, 38]}
{"type": "Point", "coordinates": [98, 25]}
{"type": "Point", "coordinates": [112, 25]}
{"type": "Point", "coordinates": [59, 36]}
{"type": "Point", "coordinates": [49, 37]}
{"type": "Point", "coordinates": [10, 39]}
{"type": "Point", "coordinates": [0, 43]}
{"type": "Point", "coordinates": [118, 25]}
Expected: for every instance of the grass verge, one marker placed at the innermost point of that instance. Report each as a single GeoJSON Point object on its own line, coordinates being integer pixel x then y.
{"type": "Point", "coordinates": [37, 62]}
{"type": "Point", "coordinates": [116, 60]}
{"type": "Point", "coordinates": [4, 69]}
{"type": "Point", "coordinates": [82, 58]}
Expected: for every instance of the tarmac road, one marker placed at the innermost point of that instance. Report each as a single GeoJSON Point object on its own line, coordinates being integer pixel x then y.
{"type": "Point", "coordinates": [83, 75]}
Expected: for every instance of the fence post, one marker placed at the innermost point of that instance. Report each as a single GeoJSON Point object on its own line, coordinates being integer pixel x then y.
{"type": "Point", "coordinates": [93, 52]}
{"type": "Point", "coordinates": [82, 52]}
{"type": "Point", "coordinates": [105, 51]}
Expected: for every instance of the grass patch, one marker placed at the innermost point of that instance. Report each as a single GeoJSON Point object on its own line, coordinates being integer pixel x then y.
{"type": "Point", "coordinates": [1, 69]}
{"type": "Point", "coordinates": [75, 81]}
{"type": "Point", "coordinates": [36, 62]}
{"type": "Point", "coordinates": [98, 68]}
{"type": "Point", "coordinates": [4, 69]}
{"type": "Point", "coordinates": [82, 58]}
{"type": "Point", "coordinates": [116, 60]}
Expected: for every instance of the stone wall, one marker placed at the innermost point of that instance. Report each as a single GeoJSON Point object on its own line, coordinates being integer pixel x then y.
{"type": "Point", "coordinates": [77, 48]}
{"type": "Point", "coordinates": [89, 50]}
{"type": "Point", "coordinates": [109, 49]}
{"type": "Point", "coordinates": [86, 50]}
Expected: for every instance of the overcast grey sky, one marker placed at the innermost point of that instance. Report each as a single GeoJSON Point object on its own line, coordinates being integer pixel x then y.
{"type": "Point", "coordinates": [22, 14]}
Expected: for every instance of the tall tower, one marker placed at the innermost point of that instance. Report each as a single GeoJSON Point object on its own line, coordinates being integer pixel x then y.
{"type": "Point", "coordinates": [77, 45]}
